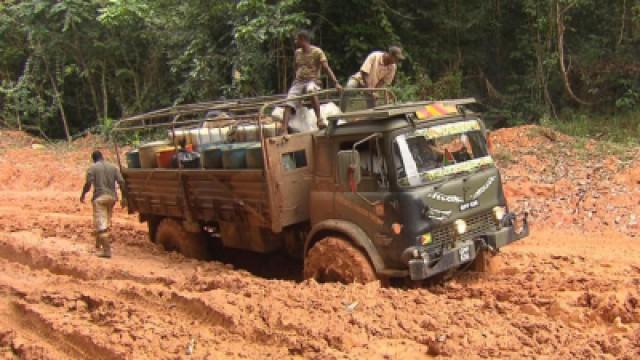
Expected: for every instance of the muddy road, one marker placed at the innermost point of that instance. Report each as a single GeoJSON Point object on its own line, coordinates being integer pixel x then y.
{"type": "Point", "coordinates": [571, 290]}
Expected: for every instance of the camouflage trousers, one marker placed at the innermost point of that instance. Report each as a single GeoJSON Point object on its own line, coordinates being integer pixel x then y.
{"type": "Point", "coordinates": [102, 213]}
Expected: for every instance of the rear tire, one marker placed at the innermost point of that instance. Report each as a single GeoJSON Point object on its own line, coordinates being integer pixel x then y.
{"type": "Point", "coordinates": [333, 259]}
{"type": "Point", "coordinates": [172, 236]}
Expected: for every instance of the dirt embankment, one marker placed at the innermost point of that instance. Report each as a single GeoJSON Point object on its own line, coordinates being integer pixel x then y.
{"type": "Point", "coordinates": [571, 290]}
{"type": "Point", "coordinates": [568, 183]}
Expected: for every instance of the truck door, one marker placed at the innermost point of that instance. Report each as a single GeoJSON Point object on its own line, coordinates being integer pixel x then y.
{"type": "Point", "coordinates": [289, 161]}
{"type": "Point", "coordinates": [365, 206]}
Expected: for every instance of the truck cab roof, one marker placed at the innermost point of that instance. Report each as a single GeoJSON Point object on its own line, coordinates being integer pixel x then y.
{"type": "Point", "coordinates": [396, 116]}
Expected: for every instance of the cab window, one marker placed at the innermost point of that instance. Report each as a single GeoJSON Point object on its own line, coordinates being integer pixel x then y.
{"type": "Point", "coordinates": [372, 165]}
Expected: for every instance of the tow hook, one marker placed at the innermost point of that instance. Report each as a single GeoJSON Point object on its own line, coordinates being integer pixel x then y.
{"type": "Point", "coordinates": [510, 219]}
{"type": "Point", "coordinates": [481, 244]}
{"type": "Point", "coordinates": [507, 220]}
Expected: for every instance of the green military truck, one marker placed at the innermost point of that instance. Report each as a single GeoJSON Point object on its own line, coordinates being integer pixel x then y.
{"type": "Point", "coordinates": [399, 190]}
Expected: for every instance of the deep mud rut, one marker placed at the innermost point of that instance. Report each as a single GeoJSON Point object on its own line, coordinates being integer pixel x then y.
{"type": "Point", "coordinates": [565, 292]}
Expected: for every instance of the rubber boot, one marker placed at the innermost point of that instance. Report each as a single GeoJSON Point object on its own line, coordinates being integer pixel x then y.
{"type": "Point", "coordinates": [98, 242]}
{"type": "Point", "coordinates": [106, 245]}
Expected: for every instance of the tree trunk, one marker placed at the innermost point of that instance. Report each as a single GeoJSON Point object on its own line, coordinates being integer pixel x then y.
{"type": "Point", "coordinates": [92, 88]}
{"type": "Point", "coordinates": [105, 95]}
{"type": "Point", "coordinates": [94, 95]}
{"type": "Point", "coordinates": [60, 107]}
{"type": "Point", "coordinates": [542, 52]}
{"type": "Point", "coordinates": [622, 22]}
{"type": "Point", "coordinates": [563, 67]}
{"type": "Point", "coordinates": [18, 118]}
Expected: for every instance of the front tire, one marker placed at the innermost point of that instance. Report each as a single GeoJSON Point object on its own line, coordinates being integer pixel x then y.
{"type": "Point", "coordinates": [171, 235]}
{"type": "Point", "coordinates": [333, 259]}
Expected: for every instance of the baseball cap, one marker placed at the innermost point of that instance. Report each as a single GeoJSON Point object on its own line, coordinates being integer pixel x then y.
{"type": "Point", "coordinates": [396, 52]}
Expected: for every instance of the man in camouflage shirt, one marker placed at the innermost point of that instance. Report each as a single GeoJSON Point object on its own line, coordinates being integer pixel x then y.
{"type": "Point", "coordinates": [309, 62]}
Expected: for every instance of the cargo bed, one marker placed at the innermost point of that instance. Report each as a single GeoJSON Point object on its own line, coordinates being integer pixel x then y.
{"type": "Point", "coordinates": [203, 195]}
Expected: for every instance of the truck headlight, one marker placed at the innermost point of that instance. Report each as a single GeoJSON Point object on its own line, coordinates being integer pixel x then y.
{"type": "Point", "coordinates": [461, 226]}
{"type": "Point", "coordinates": [499, 212]}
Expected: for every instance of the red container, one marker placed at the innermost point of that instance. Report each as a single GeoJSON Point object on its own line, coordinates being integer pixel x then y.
{"type": "Point", "coordinates": [165, 157]}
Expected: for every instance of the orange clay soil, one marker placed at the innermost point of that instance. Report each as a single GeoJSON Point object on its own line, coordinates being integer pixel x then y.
{"type": "Point", "coordinates": [571, 290]}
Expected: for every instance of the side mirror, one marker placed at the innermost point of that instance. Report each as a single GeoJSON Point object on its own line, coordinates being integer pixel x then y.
{"type": "Point", "coordinates": [349, 168]}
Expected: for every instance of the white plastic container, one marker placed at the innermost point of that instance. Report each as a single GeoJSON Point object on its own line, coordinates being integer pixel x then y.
{"type": "Point", "coordinates": [208, 136]}
{"type": "Point", "coordinates": [251, 133]}
{"type": "Point", "coordinates": [148, 153]}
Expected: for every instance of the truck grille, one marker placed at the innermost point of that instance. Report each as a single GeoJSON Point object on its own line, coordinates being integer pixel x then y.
{"type": "Point", "coordinates": [445, 236]}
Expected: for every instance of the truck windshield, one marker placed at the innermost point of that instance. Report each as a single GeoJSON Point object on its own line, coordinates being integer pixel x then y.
{"type": "Point", "coordinates": [435, 152]}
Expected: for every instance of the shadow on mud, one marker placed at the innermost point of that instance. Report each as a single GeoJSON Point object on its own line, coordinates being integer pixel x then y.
{"type": "Point", "coordinates": [280, 266]}
{"type": "Point", "coordinates": [434, 283]}
{"type": "Point", "coordinates": [277, 265]}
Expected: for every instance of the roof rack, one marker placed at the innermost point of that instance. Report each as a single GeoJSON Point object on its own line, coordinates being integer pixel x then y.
{"type": "Point", "coordinates": [241, 110]}
{"type": "Point", "coordinates": [341, 97]}
{"type": "Point", "coordinates": [193, 114]}
{"type": "Point", "coordinates": [438, 109]}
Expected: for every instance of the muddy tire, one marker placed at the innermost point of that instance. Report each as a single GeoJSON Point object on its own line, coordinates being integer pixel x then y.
{"type": "Point", "coordinates": [171, 235]}
{"type": "Point", "coordinates": [333, 259]}
{"type": "Point", "coordinates": [482, 262]}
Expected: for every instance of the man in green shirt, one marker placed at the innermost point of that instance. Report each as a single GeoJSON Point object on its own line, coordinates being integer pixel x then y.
{"type": "Point", "coordinates": [103, 176]}
{"type": "Point", "coordinates": [309, 63]}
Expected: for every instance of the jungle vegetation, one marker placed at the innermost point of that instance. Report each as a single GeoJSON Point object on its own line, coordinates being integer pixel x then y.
{"type": "Point", "coordinates": [69, 66]}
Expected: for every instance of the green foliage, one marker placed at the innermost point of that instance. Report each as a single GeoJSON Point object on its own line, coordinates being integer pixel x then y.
{"type": "Point", "coordinates": [260, 31]}
{"type": "Point", "coordinates": [124, 12]}
{"type": "Point", "coordinates": [503, 155]}
{"type": "Point", "coordinates": [85, 62]}
{"type": "Point", "coordinates": [622, 128]}
{"type": "Point", "coordinates": [629, 100]}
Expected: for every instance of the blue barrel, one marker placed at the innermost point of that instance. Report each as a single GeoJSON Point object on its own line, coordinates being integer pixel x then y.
{"type": "Point", "coordinates": [254, 157]}
{"type": "Point", "coordinates": [235, 157]}
{"type": "Point", "coordinates": [212, 156]}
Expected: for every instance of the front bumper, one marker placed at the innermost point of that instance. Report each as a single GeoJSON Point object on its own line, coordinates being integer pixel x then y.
{"type": "Point", "coordinates": [422, 268]}
{"type": "Point", "coordinates": [507, 233]}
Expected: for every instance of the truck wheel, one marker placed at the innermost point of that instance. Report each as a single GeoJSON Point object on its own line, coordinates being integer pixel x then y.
{"type": "Point", "coordinates": [173, 237]}
{"type": "Point", "coordinates": [333, 259]}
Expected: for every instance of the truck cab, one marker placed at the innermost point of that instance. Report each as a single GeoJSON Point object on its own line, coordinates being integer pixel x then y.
{"type": "Point", "coordinates": [414, 185]}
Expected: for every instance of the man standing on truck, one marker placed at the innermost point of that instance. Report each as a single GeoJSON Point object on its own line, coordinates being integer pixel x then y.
{"type": "Point", "coordinates": [309, 62]}
{"type": "Point", "coordinates": [377, 71]}
{"type": "Point", "coordinates": [103, 176]}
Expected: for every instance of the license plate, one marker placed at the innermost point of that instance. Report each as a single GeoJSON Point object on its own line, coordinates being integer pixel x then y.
{"type": "Point", "coordinates": [470, 205]}
{"type": "Point", "coordinates": [465, 254]}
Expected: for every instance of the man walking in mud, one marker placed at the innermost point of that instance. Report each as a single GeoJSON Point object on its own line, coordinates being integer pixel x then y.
{"type": "Point", "coordinates": [103, 176]}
